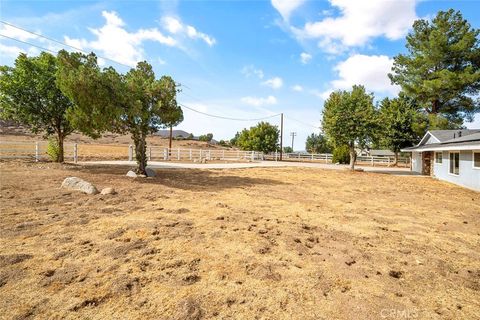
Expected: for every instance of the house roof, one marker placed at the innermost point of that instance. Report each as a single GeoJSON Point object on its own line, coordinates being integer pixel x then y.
{"type": "Point", "coordinates": [374, 152]}
{"type": "Point", "coordinates": [449, 140]}
{"type": "Point", "coordinates": [445, 135]}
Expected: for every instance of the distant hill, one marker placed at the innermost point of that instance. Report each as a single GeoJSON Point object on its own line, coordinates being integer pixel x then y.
{"type": "Point", "coordinates": [175, 133]}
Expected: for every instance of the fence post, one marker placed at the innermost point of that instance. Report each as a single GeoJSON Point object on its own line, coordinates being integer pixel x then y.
{"type": "Point", "coordinates": [223, 155]}
{"type": "Point", "coordinates": [209, 155]}
{"type": "Point", "coordinates": [253, 155]}
{"type": "Point", "coordinates": [37, 157]}
{"type": "Point", "coordinates": [75, 153]}
{"type": "Point", "coordinates": [371, 160]}
{"type": "Point", "coordinates": [178, 154]}
{"type": "Point", "coordinates": [190, 152]}
{"type": "Point", "coordinates": [149, 153]}
{"type": "Point", "coordinates": [276, 155]}
{"type": "Point", "coordinates": [312, 156]}
{"type": "Point", "coordinates": [165, 154]}
{"type": "Point", "coordinates": [130, 153]}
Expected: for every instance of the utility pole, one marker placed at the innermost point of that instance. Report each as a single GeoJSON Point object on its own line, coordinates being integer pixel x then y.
{"type": "Point", "coordinates": [281, 136]}
{"type": "Point", "coordinates": [293, 134]}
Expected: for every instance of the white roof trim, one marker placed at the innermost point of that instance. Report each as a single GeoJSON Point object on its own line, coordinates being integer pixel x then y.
{"type": "Point", "coordinates": [425, 136]}
{"type": "Point", "coordinates": [444, 148]}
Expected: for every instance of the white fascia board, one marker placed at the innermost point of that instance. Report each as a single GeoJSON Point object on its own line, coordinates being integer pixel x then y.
{"type": "Point", "coordinates": [449, 148]}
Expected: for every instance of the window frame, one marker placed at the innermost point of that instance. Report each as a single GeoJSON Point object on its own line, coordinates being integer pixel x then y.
{"type": "Point", "coordinates": [450, 165]}
{"type": "Point", "coordinates": [473, 159]}
{"type": "Point", "coordinates": [441, 158]}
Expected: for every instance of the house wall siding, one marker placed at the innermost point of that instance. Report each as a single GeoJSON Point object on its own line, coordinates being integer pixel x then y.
{"type": "Point", "coordinates": [468, 177]}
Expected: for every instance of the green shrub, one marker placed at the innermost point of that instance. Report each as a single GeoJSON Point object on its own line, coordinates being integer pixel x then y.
{"type": "Point", "coordinates": [341, 155]}
{"type": "Point", "coordinates": [53, 149]}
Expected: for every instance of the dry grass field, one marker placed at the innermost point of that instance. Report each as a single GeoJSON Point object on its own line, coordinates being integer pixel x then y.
{"type": "Point", "coordinates": [279, 243]}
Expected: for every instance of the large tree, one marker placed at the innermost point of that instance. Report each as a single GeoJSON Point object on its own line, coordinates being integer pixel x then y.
{"type": "Point", "coordinates": [105, 100]}
{"type": "Point", "coordinates": [262, 137]}
{"type": "Point", "coordinates": [398, 118]}
{"type": "Point", "coordinates": [441, 69]}
{"type": "Point", "coordinates": [317, 143]}
{"type": "Point", "coordinates": [29, 95]}
{"type": "Point", "coordinates": [349, 118]}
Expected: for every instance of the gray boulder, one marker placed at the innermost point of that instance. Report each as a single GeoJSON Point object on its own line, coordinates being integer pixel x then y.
{"type": "Point", "coordinates": [74, 183]}
{"type": "Point", "coordinates": [106, 191]}
{"type": "Point", "coordinates": [150, 172]}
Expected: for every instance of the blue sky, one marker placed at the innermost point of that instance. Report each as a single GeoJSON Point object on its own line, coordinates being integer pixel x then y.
{"type": "Point", "coordinates": [241, 59]}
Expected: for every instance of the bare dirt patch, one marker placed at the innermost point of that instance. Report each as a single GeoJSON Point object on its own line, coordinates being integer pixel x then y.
{"type": "Point", "coordinates": [247, 243]}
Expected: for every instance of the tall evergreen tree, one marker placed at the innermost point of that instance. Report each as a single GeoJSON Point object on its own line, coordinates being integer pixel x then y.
{"type": "Point", "coordinates": [441, 70]}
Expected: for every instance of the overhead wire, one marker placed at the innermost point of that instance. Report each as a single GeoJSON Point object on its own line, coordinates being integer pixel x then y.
{"type": "Point", "coordinates": [58, 42]}
{"type": "Point", "coordinates": [123, 64]}
{"type": "Point", "coordinates": [228, 118]}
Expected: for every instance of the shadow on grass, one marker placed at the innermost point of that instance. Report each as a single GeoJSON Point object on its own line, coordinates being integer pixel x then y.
{"type": "Point", "coordinates": [185, 179]}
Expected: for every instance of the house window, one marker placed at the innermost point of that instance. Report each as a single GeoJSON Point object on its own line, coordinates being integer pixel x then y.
{"type": "Point", "coordinates": [438, 157]}
{"type": "Point", "coordinates": [454, 163]}
{"type": "Point", "coordinates": [476, 159]}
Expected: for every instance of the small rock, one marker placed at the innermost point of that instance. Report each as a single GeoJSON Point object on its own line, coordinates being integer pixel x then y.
{"type": "Point", "coordinates": [131, 174]}
{"type": "Point", "coordinates": [74, 183]}
{"type": "Point", "coordinates": [108, 191]}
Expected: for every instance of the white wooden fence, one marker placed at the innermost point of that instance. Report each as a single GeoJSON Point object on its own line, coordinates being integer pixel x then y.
{"type": "Point", "coordinates": [37, 150]}
{"type": "Point", "coordinates": [327, 158]}
{"type": "Point", "coordinates": [176, 154]}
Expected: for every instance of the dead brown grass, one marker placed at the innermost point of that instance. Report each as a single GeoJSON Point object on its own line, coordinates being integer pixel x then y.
{"type": "Point", "coordinates": [243, 244]}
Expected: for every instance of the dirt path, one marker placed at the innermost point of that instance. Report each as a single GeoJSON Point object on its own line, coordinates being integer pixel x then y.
{"type": "Point", "coordinates": [256, 243]}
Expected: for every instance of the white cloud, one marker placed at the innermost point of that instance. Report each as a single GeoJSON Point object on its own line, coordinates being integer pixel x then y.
{"type": "Point", "coordinates": [305, 57]}
{"type": "Point", "coordinates": [175, 26]}
{"type": "Point", "coordinates": [297, 88]}
{"type": "Point", "coordinates": [113, 41]}
{"type": "Point", "coordinates": [274, 83]}
{"type": "Point", "coordinates": [249, 71]}
{"type": "Point", "coordinates": [258, 102]}
{"type": "Point", "coordinates": [358, 22]}
{"type": "Point", "coordinates": [370, 71]}
{"type": "Point", "coordinates": [286, 7]}
{"type": "Point", "coordinates": [12, 52]}
{"type": "Point", "coordinates": [19, 34]}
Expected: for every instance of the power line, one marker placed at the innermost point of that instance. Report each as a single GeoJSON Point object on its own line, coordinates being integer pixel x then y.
{"type": "Point", "coordinates": [120, 63]}
{"type": "Point", "coordinates": [228, 118]}
{"type": "Point", "coordinates": [30, 44]}
{"type": "Point", "coordinates": [304, 123]}
{"type": "Point", "coordinates": [56, 41]}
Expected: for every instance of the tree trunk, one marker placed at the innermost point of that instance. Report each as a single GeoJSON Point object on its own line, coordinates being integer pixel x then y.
{"type": "Point", "coordinates": [140, 153]}
{"type": "Point", "coordinates": [60, 139]}
{"type": "Point", "coordinates": [353, 157]}
{"type": "Point", "coordinates": [170, 142]}
{"type": "Point", "coordinates": [395, 161]}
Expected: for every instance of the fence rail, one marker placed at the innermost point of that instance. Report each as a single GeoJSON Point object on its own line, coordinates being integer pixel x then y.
{"type": "Point", "coordinates": [37, 150]}
{"type": "Point", "coordinates": [327, 158]}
